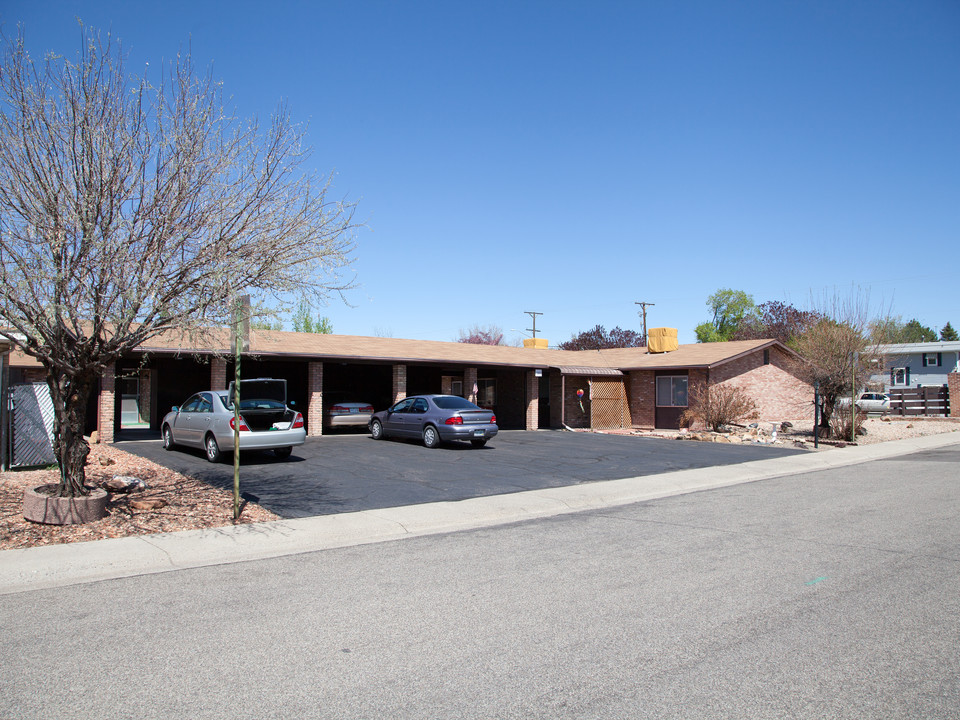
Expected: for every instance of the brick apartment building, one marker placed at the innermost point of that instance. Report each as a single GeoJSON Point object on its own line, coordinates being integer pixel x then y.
{"type": "Point", "coordinates": [528, 388]}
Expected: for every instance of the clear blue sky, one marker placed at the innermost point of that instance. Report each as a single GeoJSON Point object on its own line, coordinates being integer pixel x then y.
{"type": "Point", "coordinates": [573, 158]}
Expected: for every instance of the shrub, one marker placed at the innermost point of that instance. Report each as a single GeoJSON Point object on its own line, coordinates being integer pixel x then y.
{"type": "Point", "coordinates": [719, 405]}
{"type": "Point", "coordinates": [840, 423]}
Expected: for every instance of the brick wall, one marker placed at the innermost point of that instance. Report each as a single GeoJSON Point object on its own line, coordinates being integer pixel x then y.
{"type": "Point", "coordinates": [107, 406]}
{"type": "Point", "coordinates": [314, 399]}
{"type": "Point", "coordinates": [533, 401]}
{"type": "Point", "coordinates": [641, 395]}
{"type": "Point", "coordinates": [218, 374]}
{"type": "Point", "coordinates": [779, 393]}
{"type": "Point", "coordinates": [400, 382]}
{"type": "Point", "coordinates": [469, 381]}
{"type": "Point", "coordinates": [575, 417]}
{"type": "Point", "coordinates": [953, 387]}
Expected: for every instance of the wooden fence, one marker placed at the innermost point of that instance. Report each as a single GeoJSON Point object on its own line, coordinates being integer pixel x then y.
{"type": "Point", "coordinates": [920, 401]}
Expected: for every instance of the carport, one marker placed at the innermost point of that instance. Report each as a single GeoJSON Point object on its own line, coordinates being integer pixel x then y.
{"type": "Point", "coordinates": [594, 398]}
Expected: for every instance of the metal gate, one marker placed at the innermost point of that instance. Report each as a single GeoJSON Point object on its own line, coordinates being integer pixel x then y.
{"type": "Point", "coordinates": [31, 425]}
{"type": "Point", "coordinates": [608, 404]}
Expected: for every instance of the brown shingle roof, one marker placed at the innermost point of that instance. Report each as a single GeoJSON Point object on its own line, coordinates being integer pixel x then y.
{"type": "Point", "coordinates": [273, 343]}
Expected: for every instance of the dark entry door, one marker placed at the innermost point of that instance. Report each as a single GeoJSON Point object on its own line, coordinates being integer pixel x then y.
{"type": "Point", "coordinates": [543, 413]}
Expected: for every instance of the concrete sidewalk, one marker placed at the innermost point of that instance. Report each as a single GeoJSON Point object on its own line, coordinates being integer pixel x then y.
{"type": "Point", "coordinates": [60, 565]}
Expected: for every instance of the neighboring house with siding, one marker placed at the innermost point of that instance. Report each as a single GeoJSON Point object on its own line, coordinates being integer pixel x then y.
{"type": "Point", "coordinates": [914, 365]}
{"type": "Point", "coordinates": [528, 388]}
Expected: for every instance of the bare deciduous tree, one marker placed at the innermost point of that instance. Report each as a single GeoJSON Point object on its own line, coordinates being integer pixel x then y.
{"type": "Point", "coordinates": [839, 354]}
{"type": "Point", "coordinates": [130, 209]}
{"type": "Point", "coordinates": [482, 335]}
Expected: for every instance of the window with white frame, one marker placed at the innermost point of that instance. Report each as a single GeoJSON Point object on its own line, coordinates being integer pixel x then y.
{"type": "Point", "coordinates": [931, 359]}
{"type": "Point", "coordinates": [672, 391]}
{"type": "Point", "coordinates": [900, 376]}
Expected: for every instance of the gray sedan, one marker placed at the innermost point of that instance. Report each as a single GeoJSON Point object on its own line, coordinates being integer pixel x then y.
{"type": "Point", "coordinates": [206, 420]}
{"type": "Point", "coordinates": [435, 418]}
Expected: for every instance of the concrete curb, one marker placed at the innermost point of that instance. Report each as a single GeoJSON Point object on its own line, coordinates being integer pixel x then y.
{"type": "Point", "coordinates": [70, 564]}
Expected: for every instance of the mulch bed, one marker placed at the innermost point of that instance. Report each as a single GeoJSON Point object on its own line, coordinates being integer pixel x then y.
{"type": "Point", "coordinates": [190, 504]}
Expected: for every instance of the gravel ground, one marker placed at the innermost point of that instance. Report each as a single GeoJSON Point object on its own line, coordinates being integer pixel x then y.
{"type": "Point", "coordinates": [884, 429]}
{"type": "Point", "coordinates": [192, 504]}
{"type": "Point", "coordinates": [876, 430]}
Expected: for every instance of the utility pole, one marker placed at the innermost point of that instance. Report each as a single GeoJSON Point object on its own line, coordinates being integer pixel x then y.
{"type": "Point", "coordinates": [643, 306]}
{"type": "Point", "coordinates": [534, 316]}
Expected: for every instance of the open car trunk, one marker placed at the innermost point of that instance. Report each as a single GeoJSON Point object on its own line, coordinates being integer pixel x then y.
{"type": "Point", "coordinates": [263, 404]}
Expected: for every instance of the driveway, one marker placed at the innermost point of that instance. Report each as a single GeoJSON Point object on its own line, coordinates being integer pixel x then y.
{"type": "Point", "coordinates": [348, 473]}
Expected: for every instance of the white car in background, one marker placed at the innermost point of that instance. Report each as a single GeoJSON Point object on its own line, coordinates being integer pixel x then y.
{"type": "Point", "coordinates": [869, 402]}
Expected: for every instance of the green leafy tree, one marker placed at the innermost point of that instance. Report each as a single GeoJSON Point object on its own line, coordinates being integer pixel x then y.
{"type": "Point", "coordinates": [914, 332]}
{"type": "Point", "coordinates": [947, 333]}
{"type": "Point", "coordinates": [892, 330]}
{"type": "Point", "coordinates": [732, 310]}
{"type": "Point", "coordinates": [129, 209]}
{"type": "Point", "coordinates": [263, 324]}
{"type": "Point", "coordinates": [303, 320]}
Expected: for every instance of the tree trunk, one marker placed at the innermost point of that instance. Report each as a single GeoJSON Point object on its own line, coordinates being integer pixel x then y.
{"type": "Point", "coordinates": [70, 395]}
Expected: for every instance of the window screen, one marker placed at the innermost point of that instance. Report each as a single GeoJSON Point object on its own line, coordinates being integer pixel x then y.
{"type": "Point", "coordinates": [672, 391]}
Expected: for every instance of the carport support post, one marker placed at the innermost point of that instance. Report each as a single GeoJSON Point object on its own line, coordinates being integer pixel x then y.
{"type": "Point", "coordinates": [315, 402]}
{"type": "Point", "coordinates": [399, 383]}
{"type": "Point", "coordinates": [533, 401]}
{"type": "Point", "coordinates": [469, 383]}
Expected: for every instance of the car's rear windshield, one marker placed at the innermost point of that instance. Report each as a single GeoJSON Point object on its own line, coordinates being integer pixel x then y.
{"type": "Point", "coordinates": [452, 402]}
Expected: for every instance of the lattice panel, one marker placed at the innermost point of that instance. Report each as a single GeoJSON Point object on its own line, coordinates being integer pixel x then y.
{"type": "Point", "coordinates": [608, 406]}
{"type": "Point", "coordinates": [31, 425]}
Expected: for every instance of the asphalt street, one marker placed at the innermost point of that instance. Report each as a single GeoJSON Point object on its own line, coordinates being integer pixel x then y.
{"type": "Point", "coordinates": [352, 472]}
{"type": "Point", "coordinates": [829, 594]}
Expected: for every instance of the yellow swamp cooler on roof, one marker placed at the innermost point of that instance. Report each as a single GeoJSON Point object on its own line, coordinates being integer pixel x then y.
{"type": "Point", "coordinates": [660, 340]}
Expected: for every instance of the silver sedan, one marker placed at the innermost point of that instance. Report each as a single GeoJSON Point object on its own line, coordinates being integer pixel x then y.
{"type": "Point", "coordinates": [206, 421]}
{"type": "Point", "coordinates": [435, 418]}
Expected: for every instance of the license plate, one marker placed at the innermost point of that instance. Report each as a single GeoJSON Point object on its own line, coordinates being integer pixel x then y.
{"type": "Point", "coordinates": [478, 433]}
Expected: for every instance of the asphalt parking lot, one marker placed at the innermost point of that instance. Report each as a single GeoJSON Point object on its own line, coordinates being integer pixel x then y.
{"type": "Point", "coordinates": [352, 472]}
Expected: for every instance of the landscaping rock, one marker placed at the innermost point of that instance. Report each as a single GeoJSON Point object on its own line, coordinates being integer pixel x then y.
{"type": "Point", "coordinates": [124, 484]}
{"type": "Point", "coordinates": [148, 504]}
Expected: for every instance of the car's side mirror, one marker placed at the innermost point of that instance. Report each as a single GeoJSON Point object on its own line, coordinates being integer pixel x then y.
{"type": "Point", "coordinates": [292, 403]}
{"type": "Point", "coordinates": [175, 409]}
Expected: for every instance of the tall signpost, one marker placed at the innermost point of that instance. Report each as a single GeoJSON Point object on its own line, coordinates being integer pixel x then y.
{"type": "Point", "coordinates": [241, 315]}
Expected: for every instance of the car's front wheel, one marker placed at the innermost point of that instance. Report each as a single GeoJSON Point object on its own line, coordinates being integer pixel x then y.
{"type": "Point", "coordinates": [167, 438]}
{"type": "Point", "coordinates": [376, 430]}
{"type": "Point", "coordinates": [282, 453]}
{"type": "Point", "coordinates": [478, 443]}
{"type": "Point", "coordinates": [431, 438]}
{"type": "Point", "coordinates": [213, 450]}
